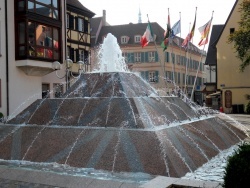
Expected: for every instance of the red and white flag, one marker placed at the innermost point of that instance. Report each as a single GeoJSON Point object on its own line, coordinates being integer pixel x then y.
{"type": "Point", "coordinates": [147, 36]}
{"type": "Point", "coordinates": [204, 30]}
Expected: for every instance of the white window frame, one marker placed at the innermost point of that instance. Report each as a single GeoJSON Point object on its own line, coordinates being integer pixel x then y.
{"type": "Point", "coordinates": [80, 24]}
{"type": "Point", "coordinates": [68, 51]}
{"type": "Point", "coordinates": [124, 40]}
{"type": "Point", "coordinates": [151, 76]}
{"type": "Point", "coordinates": [137, 56]}
{"type": "Point", "coordinates": [81, 55]}
{"type": "Point", "coordinates": [125, 56]}
{"type": "Point", "coordinates": [57, 88]}
{"type": "Point", "coordinates": [137, 38]}
{"type": "Point", "coordinates": [151, 56]}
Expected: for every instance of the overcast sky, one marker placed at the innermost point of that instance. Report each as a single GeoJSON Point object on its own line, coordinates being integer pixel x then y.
{"type": "Point", "coordinates": [125, 11]}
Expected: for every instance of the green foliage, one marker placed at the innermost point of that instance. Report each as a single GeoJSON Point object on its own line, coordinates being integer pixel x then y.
{"type": "Point", "coordinates": [237, 171]}
{"type": "Point", "coordinates": [241, 37]}
{"type": "Point", "coordinates": [248, 108]}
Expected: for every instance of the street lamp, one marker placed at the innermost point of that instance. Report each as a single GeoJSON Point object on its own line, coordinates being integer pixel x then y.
{"type": "Point", "coordinates": [69, 63]}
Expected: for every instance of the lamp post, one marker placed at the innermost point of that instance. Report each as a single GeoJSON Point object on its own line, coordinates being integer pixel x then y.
{"type": "Point", "coordinates": [69, 63]}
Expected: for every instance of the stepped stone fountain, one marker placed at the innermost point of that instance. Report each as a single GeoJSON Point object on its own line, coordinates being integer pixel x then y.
{"type": "Point", "coordinates": [116, 122]}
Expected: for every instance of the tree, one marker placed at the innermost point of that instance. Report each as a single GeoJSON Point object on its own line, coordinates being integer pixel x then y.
{"type": "Point", "coordinates": [237, 171]}
{"type": "Point", "coordinates": [241, 37]}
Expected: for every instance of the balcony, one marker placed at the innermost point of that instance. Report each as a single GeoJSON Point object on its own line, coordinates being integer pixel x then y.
{"type": "Point", "coordinates": [34, 68]}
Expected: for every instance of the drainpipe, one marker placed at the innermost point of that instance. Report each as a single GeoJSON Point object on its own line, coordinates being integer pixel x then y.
{"type": "Point", "coordinates": [7, 57]}
{"type": "Point", "coordinates": [65, 40]}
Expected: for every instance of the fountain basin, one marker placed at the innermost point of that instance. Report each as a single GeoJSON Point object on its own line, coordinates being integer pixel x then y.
{"type": "Point", "coordinates": [116, 122]}
{"type": "Point", "coordinates": [170, 151]}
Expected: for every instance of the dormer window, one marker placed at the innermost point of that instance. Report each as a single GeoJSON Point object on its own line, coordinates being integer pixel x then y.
{"type": "Point", "coordinates": [124, 39]}
{"type": "Point", "coordinates": [137, 38]}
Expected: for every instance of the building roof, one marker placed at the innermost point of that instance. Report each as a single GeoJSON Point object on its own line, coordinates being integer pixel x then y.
{"type": "Point", "coordinates": [131, 30]}
{"type": "Point", "coordinates": [212, 52]}
{"type": "Point", "coordinates": [95, 24]}
{"type": "Point", "coordinates": [77, 7]}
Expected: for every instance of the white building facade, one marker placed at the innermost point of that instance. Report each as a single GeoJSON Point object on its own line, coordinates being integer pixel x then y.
{"type": "Point", "coordinates": [31, 39]}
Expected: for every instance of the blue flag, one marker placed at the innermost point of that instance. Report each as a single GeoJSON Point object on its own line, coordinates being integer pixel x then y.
{"type": "Point", "coordinates": [176, 29]}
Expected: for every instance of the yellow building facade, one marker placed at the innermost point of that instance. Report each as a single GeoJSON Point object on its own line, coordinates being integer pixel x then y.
{"type": "Point", "coordinates": [233, 84]}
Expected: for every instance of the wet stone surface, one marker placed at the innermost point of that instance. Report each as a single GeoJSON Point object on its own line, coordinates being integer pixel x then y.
{"type": "Point", "coordinates": [4, 183]}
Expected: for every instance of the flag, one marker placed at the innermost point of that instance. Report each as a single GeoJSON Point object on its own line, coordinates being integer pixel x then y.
{"type": "Point", "coordinates": [147, 36]}
{"type": "Point", "coordinates": [167, 34]}
{"type": "Point", "coordinates": [176, 29]}
{"type": "Point", "coordinates": [190, 35]}
{"type": "Point", "coordinates": [204, 30]}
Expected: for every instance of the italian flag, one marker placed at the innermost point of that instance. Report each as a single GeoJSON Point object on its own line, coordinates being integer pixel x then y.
{"type": "Point", "coordinates": [147, 36]}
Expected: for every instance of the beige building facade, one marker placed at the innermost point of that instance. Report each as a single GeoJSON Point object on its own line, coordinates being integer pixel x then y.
{"type": "Point", "coordinates": [233, 84]}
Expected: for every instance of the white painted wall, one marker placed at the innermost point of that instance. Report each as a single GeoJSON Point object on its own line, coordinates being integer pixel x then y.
{"type": "Point", "coordinates": [23, 89]}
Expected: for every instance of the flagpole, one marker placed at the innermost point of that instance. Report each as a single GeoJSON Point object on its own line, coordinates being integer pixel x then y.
{"type": "Point", "coordinates": [200, 62]}
{"type": "Point", "coordinates": [197, 72]}
{"type": "Point", "coordinates": [171, 55]}
{"type": "Point", "coordinates": [186, 56]}
{"type": "Point", "coordinates": [179, 43]}
{"type": "Point", "coordinates": [189, 39]}
{"type": "Point", "coordinates": [162, 68]}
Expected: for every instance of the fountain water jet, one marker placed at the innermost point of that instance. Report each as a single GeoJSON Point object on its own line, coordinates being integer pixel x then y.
{"type": "Point", "coordinates": [111, 119]}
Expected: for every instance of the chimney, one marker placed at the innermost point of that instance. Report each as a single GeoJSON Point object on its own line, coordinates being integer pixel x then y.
{"type": "Point", "coordinates": [104, 17]}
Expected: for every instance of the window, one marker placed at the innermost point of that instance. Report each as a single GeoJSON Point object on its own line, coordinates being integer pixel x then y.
{"type": "Point", "coordinates": [125, 55]}
{"type": "Point", "coordinates": [48, 8]}
{"type": "Point", "coordinates": [71, 22]}
{"type": "Point", "coordinates": [124, 39]}
{"type": "Point", "coordinates": [137, 38]}
{"type": "Point", "coordinates": [42, 41]}
{"type": "Point", "coordinates": [45, 91]}
{"type": "Point", "coordinates": [80, 24]}
{"type": "Point", "coordinates": [38, 37]}
{"type": "Point", "coordinates": [153, 76]}
{"type": "Point", "coordinates": [167, 57]}
{"type": "Point", "coordinates": [58, 90]}
{"type": "Point", "coordinates": [173, 58]}
{"type": "Point", "coordinates": [179, 78]}
{"type": "Point", "coordinates": [68, 51]}
{"type": "Point", "coordinates": [81, 55]}
{"type": "Point", "coordinates": [137, 57]}
{"type": "Point", "coordinates": [151, 56]}
{"type": "Point", "coordinates": [232, 30]}
{"type": "Point", "coordinates": [67, 21]}
{"type": "Point", "coordinates": [178, 59]}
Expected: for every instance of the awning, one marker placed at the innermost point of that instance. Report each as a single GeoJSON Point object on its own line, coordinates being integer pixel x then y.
{"type": "Point", "coordinates": [215, 94]}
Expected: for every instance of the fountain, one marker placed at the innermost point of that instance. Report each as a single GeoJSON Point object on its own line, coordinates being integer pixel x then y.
{"type": "Point", "coordinates": [112, 120]}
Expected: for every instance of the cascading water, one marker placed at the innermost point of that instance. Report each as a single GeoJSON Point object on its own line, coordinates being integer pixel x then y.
{"type": "Point", "coordinates": [110, 56]}
{"type": "Point", "coordinates": [112, 120]}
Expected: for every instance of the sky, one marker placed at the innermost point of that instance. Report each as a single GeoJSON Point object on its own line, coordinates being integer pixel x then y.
{"type": "Point", "coordinates": [120, 12]}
